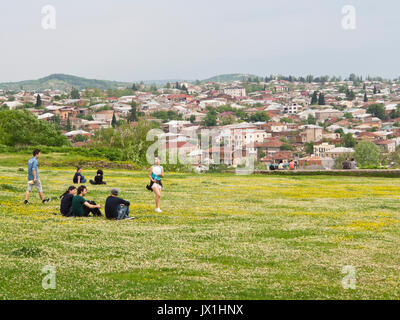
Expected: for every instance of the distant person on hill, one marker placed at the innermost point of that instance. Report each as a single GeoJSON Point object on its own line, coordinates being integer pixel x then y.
{"type": "Point", "coordinates": [66, 201]}
{"type": "Point", "coordinates": [81, 207]}
{"type": "Point", "coordinates": [33, 177]}
{"type": "Point", "coordinates": [78, 177]}
{"type": "Point", "coordinates": [116, 208]}
{"type": "Point", "coordinates": [291, 165]}
{"type": "Point", "coordinates": [353, 164]}
{"type": "Point", "coordinates": [156, 172]}
{"type": "Point", "coordinates": [98, 179]}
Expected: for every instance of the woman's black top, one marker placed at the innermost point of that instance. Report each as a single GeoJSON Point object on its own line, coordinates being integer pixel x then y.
{"type": "Point", "coordinates": [66, 204]}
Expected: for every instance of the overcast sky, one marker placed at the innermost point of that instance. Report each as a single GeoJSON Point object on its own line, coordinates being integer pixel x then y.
{"type": "Point", "coordinates": [131, 40]}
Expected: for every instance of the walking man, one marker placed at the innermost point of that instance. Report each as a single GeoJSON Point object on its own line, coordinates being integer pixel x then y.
{"type": "Point", "coordinates": [33, 177]}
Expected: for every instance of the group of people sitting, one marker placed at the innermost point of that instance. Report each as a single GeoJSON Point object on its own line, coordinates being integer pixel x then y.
{"type": "Point", "coordinates": [283, 166]}
{"type": "Point", "coordinates": [73, 204]}
{"type": "Point", "coordinates": [349, 164]}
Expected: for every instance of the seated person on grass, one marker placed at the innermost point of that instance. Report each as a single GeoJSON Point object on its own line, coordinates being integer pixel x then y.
{"type": "Point", "coordinates": [78, 177]}
{"type": "Point", "coordinates": [66, 201]}
{"type": "Point", "coordinates": [116, 208]}
{"type": "Point", "coordinates": [81, 207]}
{"type": "Point", "coordinates": [98, 179]}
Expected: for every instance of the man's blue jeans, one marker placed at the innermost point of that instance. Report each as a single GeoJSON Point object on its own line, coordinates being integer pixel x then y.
{"type": "Point", "coordinates": [123, 212]}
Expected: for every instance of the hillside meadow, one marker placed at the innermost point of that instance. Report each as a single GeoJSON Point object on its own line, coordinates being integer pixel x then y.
{"type": "Point", "coordinates": [220, 236]}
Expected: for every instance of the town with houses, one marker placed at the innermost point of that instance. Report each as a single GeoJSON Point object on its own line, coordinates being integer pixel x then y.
{"type": "Point", "coordinates": [275, 119]}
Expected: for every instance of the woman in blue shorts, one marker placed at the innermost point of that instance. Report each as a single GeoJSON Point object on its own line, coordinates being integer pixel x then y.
{"type": "Point", "coordinates": [156, 172]}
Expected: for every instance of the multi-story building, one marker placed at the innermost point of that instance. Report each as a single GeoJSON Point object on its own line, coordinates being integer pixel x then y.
{"type": "Point", "coordinates": [322, 115]}
{"type": "Point", "coordinates": [235, 91]}
{"type": "Point", "coordinates": [292, 109]}
{"type": "Point", "coordinates": [339, 151]}
{"type": "Point", "coordinates": [311, 133]}
{"type": "Point", "coordinates": [320, 150]}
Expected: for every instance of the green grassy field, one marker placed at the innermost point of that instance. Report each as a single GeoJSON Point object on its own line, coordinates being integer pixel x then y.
{"type": "Point", "coordinates": [220, 236]}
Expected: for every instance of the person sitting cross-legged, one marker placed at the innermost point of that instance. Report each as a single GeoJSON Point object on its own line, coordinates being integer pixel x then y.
{"type": "Point", "coordinates": [98, 179]}
{"type": "Point", "coordinates": [81, 207]}
{"type": "Point", "coordinates": [78, 177]}
{"type": "Point", "coordinates": [116, 208]}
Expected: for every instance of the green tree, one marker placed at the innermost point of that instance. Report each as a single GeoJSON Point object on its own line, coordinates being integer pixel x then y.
{"type": "Point", "coordinates": [225, 120]}
{"type": "Point", "coordinates": [377, 110]}
{"type": "Point", "coordinates": [192, 118]}
{"type": "Point", "coordinates": [340, 130]}
{"type": "Point", "coordinates": [133, 114]}
{"type": "Point", "coordinates": [321, 99]}
{"type": "Point", "coordinates": [286, 147]}
{"type": "Point", "coordinates": [259, 116]}
{"type": "Point", "coordinates": [309, 147]}
{"type": "Point", "coordinates": [350, 95]}
{"type": "Point", "coordinates": [348, 115]}
{"type": "Point", "coordinates": [23, 128]}
{"type": "Point", "coordinates": [38, 101]}
{"type": "Point", "coordinates": [114, 121]}
{"type": "Point", "coordinates": [185, 89]}
{"type": "Point", "coordinates": [69, 127]}
{"type": "Point", "coordinates": [211, 118]}
{"type": "Point", "coordinates": [365, 97]}
{"type": "Point", "coordinates": [128, 142]}
{"type": "Point", "coordinates": [314, 98]}
{"type": "Point", "coordinates": [80, 138]}
{"type": "Point", "coordinates": [75, 94]}
{"type": "Point", "coordinates": [349, 141]}
{"type": "Point", "coordinates": [311, 119]}
{"type": "Point", "coordinates": [367, 153]}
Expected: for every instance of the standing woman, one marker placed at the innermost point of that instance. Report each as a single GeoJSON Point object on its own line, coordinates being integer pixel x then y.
{"type": "Point", "coordinates": [156, 172]}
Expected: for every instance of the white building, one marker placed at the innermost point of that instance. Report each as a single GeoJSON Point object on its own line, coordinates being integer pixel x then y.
{"type": "Point", "coordinates": [235, 91]}
{"type": "Point", "coordinates": [321, 149]}
{"type": "Point", "coordinates": [292, 109]}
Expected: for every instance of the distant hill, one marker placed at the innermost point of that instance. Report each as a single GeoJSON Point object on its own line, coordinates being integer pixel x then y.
{"type": "Point", "coordinates": [62, 82]}
{"type": "Point", "coordinates": [229, 77]}
{"type": "Point", "coordinates": [65, 81]}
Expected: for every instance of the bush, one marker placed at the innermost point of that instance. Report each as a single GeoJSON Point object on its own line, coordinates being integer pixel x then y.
{"type": "Point", "coordinates": [23, 128]}
{"type": "Point", "coordinates": [367, 154]}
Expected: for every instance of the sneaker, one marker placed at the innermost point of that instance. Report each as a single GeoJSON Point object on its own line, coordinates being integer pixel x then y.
{"type": "Point", "coordinates": [26, 202]}
{"type": "Point", "coordinates": [158, 210]}
{"type": "Point", "coordinates": [46, 200]}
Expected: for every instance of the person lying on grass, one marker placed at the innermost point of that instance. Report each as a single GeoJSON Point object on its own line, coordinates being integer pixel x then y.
{"type": "Point", "coordinates": [66, 201]}
{"type": "Point", "coordinates": [78, 177]}
{"type": "Point", "coordinates": [116, 208]}
{"type": "Point", "coordinates": [81, 207]}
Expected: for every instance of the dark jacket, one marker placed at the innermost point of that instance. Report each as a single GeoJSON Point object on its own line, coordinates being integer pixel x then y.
{"type": "Point", "coordinates": [66, 205]}
{"type": "Point", "coordinates": [112, 204]}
